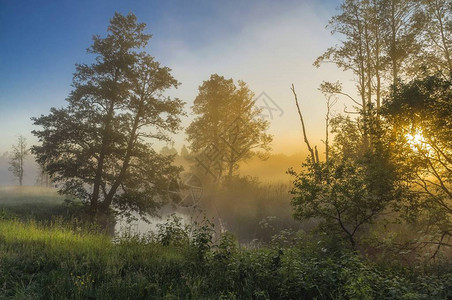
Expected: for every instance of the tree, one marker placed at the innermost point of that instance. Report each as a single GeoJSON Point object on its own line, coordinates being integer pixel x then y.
{"type": "Point", "coordinates": [420, 113]}
{"type": "Point", "coordinates": [380, 45]}
{"type": "Point", "coordinates": [402, 28]}
{"type": "Point", "coordinates": [227, 129]}
{"type": "Point", "coordinates": [167, 151]}
{"type": "Point", "coordinates": [353, 187]}
{"type": "Point", "coordinates": [383, 42]}
{"type": "Point", "coordinates": [19, 153]}
{"type": "Point", "coordinates": [184, 151]}
{"type": "Point", "coordinates": [97, 147]}
{"type": "Point", "coordinates": [43, 178]}
{"type": "Point", "coordinates": [437, 35]}
{"type": "Point", "coordinates": [354, 52]}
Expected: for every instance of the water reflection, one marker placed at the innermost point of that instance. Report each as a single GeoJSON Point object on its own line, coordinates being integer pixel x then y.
{"type": "Point", "coordinates": [138, 226]}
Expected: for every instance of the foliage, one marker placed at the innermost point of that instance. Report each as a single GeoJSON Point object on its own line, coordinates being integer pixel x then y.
{"type": "Point", "coordinates": [420, 114]}
{"type": "Point", "coordinates": [354, 186]}
{"type": "Point", "coordinates": [382, 43]}
{"type": "Point", "coordinates": [98, 147]}
{"type": "Point", "coordinates": [168, 151]}
{"type": "Point", "coordinates": [227, 128]}
{"type": "Point", "coordinates": [54, 262]}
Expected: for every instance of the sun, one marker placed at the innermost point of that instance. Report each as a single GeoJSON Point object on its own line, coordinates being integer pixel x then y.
{"type": "Point", "coordinates": [417, 141]}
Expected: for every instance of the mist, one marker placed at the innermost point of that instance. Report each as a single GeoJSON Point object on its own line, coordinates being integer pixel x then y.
{"type": "Point", "coordinates": [226, 150]}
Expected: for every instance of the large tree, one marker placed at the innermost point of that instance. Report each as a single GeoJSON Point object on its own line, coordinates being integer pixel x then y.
{"type": "Point", "coordinates": [98, 147]}
{"type": "Point", "coordinates": [227, 129]}
{"type": "Point", "coordinates": [437, 35]}
{"type": "Point", "coordinates": [19, 153]}
{"type": "Point", "coordinates": [379, 44]}
{"type": "Point", "coordinates": [420, 113]}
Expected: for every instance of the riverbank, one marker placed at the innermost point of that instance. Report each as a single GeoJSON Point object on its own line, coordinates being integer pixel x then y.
{"type": "Point", "coordinates": [44, 262]}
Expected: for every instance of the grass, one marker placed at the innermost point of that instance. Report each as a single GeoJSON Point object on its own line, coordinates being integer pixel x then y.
{"type": "Point", "coordinates": [62, 260]}
{"type": "Point", "coordinates": [55, 262]}
{"type": "Point", "coordinates": [29, 202]}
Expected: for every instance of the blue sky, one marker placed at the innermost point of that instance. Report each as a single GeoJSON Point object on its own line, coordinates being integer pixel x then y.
{"type": "Point", "coordinates": [268, 44]}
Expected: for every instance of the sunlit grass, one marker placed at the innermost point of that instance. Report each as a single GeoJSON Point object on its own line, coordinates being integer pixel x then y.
{"type": "Point", "coordinates": [54, 262]}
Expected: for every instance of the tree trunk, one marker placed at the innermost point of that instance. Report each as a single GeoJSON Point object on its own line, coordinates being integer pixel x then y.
{"type": "Point", "coordinates": [393, 46]}
{"type": "Point", "coordinates": [104, 148]}
{"type": "Point", "coordinates": [125, 165]}
{"type": "Point", "coordinates": [100, 162]}
{"type": "Point", "coordinates": [231, 169]}
{"type": "Point", "coordinates": [444, 42]}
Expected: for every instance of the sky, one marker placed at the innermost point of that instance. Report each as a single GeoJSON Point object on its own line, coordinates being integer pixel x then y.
{"type": "Point", "coordinates": [268, 44]}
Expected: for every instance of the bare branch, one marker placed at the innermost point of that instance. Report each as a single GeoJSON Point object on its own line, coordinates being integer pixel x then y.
{"type": "Point", "coordinates": [303, 127]}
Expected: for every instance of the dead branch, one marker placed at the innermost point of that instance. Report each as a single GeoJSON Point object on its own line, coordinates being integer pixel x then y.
{"type": "Point", "coordinates": [313, 156]}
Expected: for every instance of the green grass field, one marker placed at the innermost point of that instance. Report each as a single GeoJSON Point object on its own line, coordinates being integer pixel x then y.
{"type": "Point", "coordinates": [29, 202]}
{"type": "Point", "coordinates": [57, 260]}
{"type": "Point", "coordinates": [54, 262]}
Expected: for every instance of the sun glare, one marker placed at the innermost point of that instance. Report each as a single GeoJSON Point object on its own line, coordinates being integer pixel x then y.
{"type": "Point", "coordinates": [417, 141]}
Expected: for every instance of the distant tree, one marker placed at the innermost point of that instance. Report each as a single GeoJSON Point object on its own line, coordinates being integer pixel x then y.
{"type": "Point", "coordinates": [18, 156]}
{"type": "Point", "coordinates": [167, 151]}
{"type": "Point", "coordinates": [227, 125]}
{"type": "Point", "coordinates": [184, 151]}
{"type": "Point", "coordinates": [98, 147]}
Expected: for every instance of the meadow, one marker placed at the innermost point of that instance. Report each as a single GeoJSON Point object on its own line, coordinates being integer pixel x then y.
{"type": "Point", "coordinates": [32, 202]}
{"type": "Point", "coordinates": [59, 259]}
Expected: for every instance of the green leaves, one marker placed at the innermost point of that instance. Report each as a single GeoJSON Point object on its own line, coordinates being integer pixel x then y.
{"type": "Point", "coordinates": [98, 147]}
{"type": "Point", "coordinates": [355, 185]}
{"type": "Point", "coordinates": [420, 113]}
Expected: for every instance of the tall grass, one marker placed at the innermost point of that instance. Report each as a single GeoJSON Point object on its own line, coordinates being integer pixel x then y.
{"type": "Point", "coordinates": [183, 262]}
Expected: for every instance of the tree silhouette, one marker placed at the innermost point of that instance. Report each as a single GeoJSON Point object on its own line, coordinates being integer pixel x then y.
{"type": "Point", "coordinates": [227, 128]}
{"type": "Point", "coordinates": [184, 151]}
{"type": "Point", "coordinates": [19, 153]}
{"type": "Point", "coordinates": [97, 148]}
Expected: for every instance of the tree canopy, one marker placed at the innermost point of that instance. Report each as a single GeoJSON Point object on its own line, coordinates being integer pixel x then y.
{"type": "Point", "coordinates": [97, 148]}
{"type": "Point", "coordinates": [420, 113]}
{"type": "Point", "coordinates": [227, 128]}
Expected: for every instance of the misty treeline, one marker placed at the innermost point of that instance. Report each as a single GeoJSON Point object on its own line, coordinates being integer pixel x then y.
{"type": "Point", "coordinates": [385, 182]}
